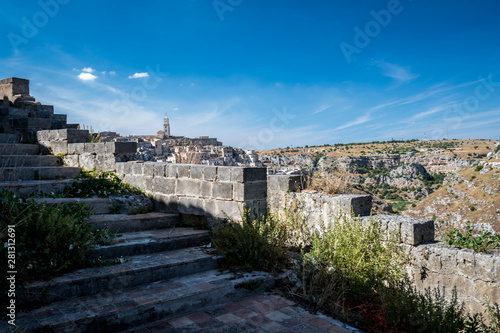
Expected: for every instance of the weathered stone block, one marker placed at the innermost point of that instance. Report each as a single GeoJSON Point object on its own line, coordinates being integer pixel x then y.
{"type": "Point", "coordinates": [70, 135]}
{"type": "Point", "coordinates": [166, 203]}
{"type": "Point", "coordinates": [148, 169]}
{"type": "Point", "coordinates": [171, 170]}
{"type": "Point", "coordinates": [164, 185]}
{"type": "Point", "coordinates": [71, 160]}
{"type": "Point", "coordinates": [193, 206]}
{"type": "Point", "coordinates": [147, 184]}
{"type": "Point", "coordinates": [59, 147]}
{"type": "Point", "coordinates": [210, 173]}
{"type": "Point", "coordinates": [105, 162]}
{"type": "Point", "coordinates": [224, 174]}
{"type": "Point", "coordinates": [121, 147]}
{"type": "Point", "coordinates": [210, 208]}
{"type": "Point", "coordinates": [197, 171]}
{"type": "Point", "coordinates": [137, 168]}
{"type": "Point", "coordinates": [123, 169]}
{"type": "Point", "coordinates": [206, 189]}
{"type": "Point", "coordinates": [159, 170]}
{"type": "Point", "coordinates": [254, 174]}
{"type": "Point", "coordinates": [76, 148]}
{"type": "Point", "coordinates": [485, 266]}
{"type": "Point", "coordinates": [229, 209]}
{"type": "Point", "coordinates": [448, 260]}
{"type": "Point", "coordinates": [87, 161]}
{"type": "Point", "coordinates": [413, 230]}
{"type": "Point", "coordinates": [95, 148]}
{"type": "Point", "coordinates": [222, 191]}
{"type": "Point", "coordinates": [466, 262]}
{"type": "Point", "coordinates": [183, 171]}
{"type": "Point", "coordinates": [188, 187]}
{"type": "Point", "coordinates": [256, 190]}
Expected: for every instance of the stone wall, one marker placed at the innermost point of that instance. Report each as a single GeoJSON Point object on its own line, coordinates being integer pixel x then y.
{"type": "Point", "coordinates": [475, 275]}
{"type": "Point", "coordinates": [216, 192]}
{"type": "Point", "coordinates": [76, 152]}
{"type": "Point", "coordinates": [14, 86]}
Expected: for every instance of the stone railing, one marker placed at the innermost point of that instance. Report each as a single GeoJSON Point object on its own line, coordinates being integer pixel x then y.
{"type": "Point", "coordinates": [75, 151]}
{"type": "Point", "coordinates": [216, 192]}
{"type": "Point", "coordinates": [475, 275]}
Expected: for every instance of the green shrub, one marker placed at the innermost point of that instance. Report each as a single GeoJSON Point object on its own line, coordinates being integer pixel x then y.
{"type": "Point", "coordinates": [480, 242]}
{"type": "Point", "coordinates": [255, 243]}
{"type": "Point", "coordinates": [48, 239]}
{"type": "Point", "coordinates": [102, 184]}
{"type": "Point", "coordinates": [479, 168]}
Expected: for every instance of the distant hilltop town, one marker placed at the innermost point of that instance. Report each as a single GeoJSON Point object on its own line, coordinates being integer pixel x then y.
{"type": "Point", "coordinates": [164, 147]}
{"type": "Point", "coordinates": [23, 115]}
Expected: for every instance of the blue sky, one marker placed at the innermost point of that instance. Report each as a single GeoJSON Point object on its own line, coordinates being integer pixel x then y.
{"type": "Point", "coordinates": [263, 74]}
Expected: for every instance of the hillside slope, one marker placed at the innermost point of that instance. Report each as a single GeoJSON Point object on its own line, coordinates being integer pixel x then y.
{"type": "Point", "coordinates": [472, 194]}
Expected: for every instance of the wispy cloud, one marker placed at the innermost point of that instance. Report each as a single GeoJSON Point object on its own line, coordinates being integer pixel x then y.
{"type": "Point", "coordinates": [138, 75]}
{"type": "Point", "coordinates": [358, 121]}
{"type": "Point", "coordinates": [321, 109]}
{"type": "Point", "coordinates": [87, 76]}
{"type": "Point", "coordinates": [398, 73]}
{"type": "Point", "coordinates": [88, 70]}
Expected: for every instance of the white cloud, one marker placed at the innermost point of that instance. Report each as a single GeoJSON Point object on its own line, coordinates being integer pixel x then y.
{"type": "Point", "coordinates": [112, 73]}
{"type": "Point", "coordinates": [398, 73]}
{"type": "Point", "coordinates": [358, 121]}
{"type": "Point", "coordinates": [138, 75]}
{"type": "Point", "coordinates": [87, 77]}
{"type": "Point", "coordinates": [88, 70]}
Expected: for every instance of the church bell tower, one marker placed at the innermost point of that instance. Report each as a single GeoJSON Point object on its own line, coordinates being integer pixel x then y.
{"type": "Point", "coordinates": [166, 126]}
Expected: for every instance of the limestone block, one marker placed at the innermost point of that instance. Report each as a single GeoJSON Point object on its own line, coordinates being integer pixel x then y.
{"type": "Point", "coordinates": [237, 175]}
{"type": "Point", "coordinates": [137, 169]}
{"type": "Point", "coordinates": [284, 183]}
{"type": "Point", "coordinates": [76, 148]}
{"type": "Point", "coordinates": [413, 230]}
{"type": "Point", "coordinates": [466, 262]}
{"type": "Point", "coordinates": [147, 184]}
{"type": "Point", "coordinates": [87, 161]}
{"type": "Point", "coordinates": [239, 192]}
{"type": "Point", "coordinates": [485, 288]}
{"type": "Point", "coordinates": [188, 187]}
{"type": "Point", "coordinates": [256, 190]}
{"type": "Point", "coordinates": [164, 185]}
{"type": "Point", "coordinates": [166, 203]}
{"type": "Point", "coordinates": [254, 174]}
{"type": "Point", "coordinates": [43, 136]}
{"type": "Point", "coordinates": [123, 169]}
{"type": "Point", "coordinates": [197, 171]}
{"type": "Point", "coordinates": [105, 162]}
{"type": "Point", "coordinates": [193, 206]}
{"type": "Point", "coordinates": [159, 170]}
{"type": "Point", "coordinates": [71, 160]}
{"type": "Point", "coordinates": [209, 173]}
{"type": "Point", "coordinates": [211, 208]}
{"type": "Point", "coordinates": [224, 174]}
{"type": "Point", "coordinates": [60, 147]}
{"type": "Point", "coordinates": [449, 260]}
{"type": "Point", "coordinates": [120, 147]}
{"type": "Point", "coordinates": [95, 148]}
{"type": "Point", "coordinates": [229, 209]}
{"type": "Point", "coordinates": [222, 191]}
{"type": "Point", "coordinates": [148, 169]}
{"type": "Point", "coordinates": [485, 266]}
{"type": "Point", "coordinates": [70, 135]}
{"type": "Point", "coordinates": [183, 170]}
{"type": "Point", "coordinates": [206, 189]}
{"type": "Point", "coordinates": [171, 170]}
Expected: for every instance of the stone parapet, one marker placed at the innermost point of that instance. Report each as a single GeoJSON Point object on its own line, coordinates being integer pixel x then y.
{"type": "Point", "coordinates": [213, 191]}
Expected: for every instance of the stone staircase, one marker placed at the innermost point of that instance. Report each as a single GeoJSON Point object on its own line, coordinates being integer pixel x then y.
{"type": "Point", "coordinates": [23, 170]}
{"type": "Point", "coordinates": [166, 271]}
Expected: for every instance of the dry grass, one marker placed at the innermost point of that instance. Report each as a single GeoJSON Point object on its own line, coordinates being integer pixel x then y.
{"type": "Point", "coordinates": [336, 182]}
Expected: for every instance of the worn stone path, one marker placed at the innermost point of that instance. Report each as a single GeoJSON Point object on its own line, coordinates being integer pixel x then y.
{"type": "Point", "coordinates": [262, 313]}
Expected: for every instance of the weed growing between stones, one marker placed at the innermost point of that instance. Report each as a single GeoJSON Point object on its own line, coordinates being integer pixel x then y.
{"type": "Point", "coordinates": [49, 240]}
{"type": "Point", "coordinates": [478, 241]}
{"type": "Point", "coordinates": [101, 184]}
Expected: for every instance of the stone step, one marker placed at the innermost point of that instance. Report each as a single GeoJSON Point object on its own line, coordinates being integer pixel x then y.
{"type": "Point", "coordinates": [119, 223]}
{"type": "Point", "coordinates": [9, 138]}
{"type": "Point", "coordinates": [18, 161]}
{"type": "Point", "coordinates": [11, 174]}
{"type": "Point", "coordinates": [26, 188]}
{"type": "Point", "coordinates": [151, 241]}
{"type": "Point", "coordinates": [134, 271]}
{"type": "Point", "coordinates": [19, 149]}
{"type": "Point", "coordinates": [119, 309]}
{"type": "Point", "coordinates": [96, 205]}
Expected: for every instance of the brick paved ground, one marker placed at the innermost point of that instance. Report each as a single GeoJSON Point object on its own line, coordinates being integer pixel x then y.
{"type": "Point", "coordinates": [263, 313]}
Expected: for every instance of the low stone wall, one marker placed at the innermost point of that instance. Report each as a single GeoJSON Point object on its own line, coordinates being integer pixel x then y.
{"type": "Point", "coordinates": [475, 275]}
{"type": "Point", "coordinates": [216, 192]}
{"type": "Point", "coordinates": [77, 152]}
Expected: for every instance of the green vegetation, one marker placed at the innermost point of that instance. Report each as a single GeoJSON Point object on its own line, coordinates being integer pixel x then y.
{"type": "Point", "coordinates": [102, 184]}
{"type": "Point", "coordinates": [256, 243]}
{"type": "Point", "coordinates": [49, 240]}
{"type": "Point", "coordinates": [434, 179]}
{"type": "Point", "coordinates": [479, 168]}
{"type": "Point", "coordinates": [478, 241]}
